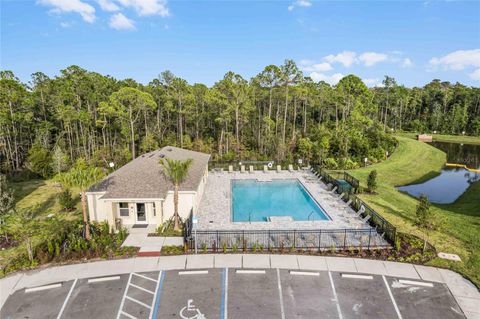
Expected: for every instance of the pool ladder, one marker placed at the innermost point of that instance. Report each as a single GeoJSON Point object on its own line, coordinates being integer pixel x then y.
{"type": "Point", "coordinates": [313, 218]}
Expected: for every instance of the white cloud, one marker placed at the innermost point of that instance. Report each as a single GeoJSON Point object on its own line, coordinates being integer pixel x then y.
{"type": "Point", "coordinates": [458, 60]}
{"type": "Point", "coordinates": [65, 24]}
{"type": "Point", "coordinates": [77, 6]}
{"type": "Point", "coordinates": [120, 22]}
{"type": "Point", "coordinates": [372, 82]}
{"type": "Point", "coordinates": [147, 7]}
{"type": "Point", "coordinates": [406, 63]}
{"type": "Point", "coordinates": [475, 75]}
{"type": "Point", "coordinates": [300, 3]}
{"type": "Point", "coordinates": [347, 58]}
{"type": "Point", "coordinates": [108, 5]}
{"type": "Point", "coordinates": [372, 58]}
{"type": "Point", "coordinates": [330, 79]}
{"type": "Point", "coordinates": [317, 67]}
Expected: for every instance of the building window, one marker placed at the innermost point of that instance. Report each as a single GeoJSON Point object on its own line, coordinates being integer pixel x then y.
{"type": "Point", "coordinates": [123, 209]}
{"type": "Point", "coordinates": [154, 210]}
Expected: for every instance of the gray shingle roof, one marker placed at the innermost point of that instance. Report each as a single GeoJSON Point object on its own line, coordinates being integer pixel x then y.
{"type": "Point", "coordinates": [144, 178]}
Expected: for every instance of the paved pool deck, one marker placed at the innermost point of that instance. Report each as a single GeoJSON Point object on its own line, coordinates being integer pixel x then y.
{"type": "Point", "coordinates": [423, 295]}
{"type": "Point", "coordinates": [214, 212]}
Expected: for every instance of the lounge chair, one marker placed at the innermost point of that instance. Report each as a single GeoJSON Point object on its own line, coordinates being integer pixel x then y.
{"type": "Point", "coordinates": [265, 168]}
{"type": "Point", "coordinates": [242, 168]}
{"type": "Point", "coordinates": [341, 195]}
{"type": "Point", "coordinates": [279, 168]}
{"type": "Point", "coordinates": [349, 202]}
{"type": "Point", "coordinates": [364, 220]}
{"type": "Point", "coordinates": [334, 189]}
{"type": "Point", "coordinates": [230, 168]}
{"type": "Point", "coordinates": [290, 167]}
{"type": "Point", "coordinates": [250, 169]}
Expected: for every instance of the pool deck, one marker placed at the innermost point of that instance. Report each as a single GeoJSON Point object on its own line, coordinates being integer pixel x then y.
{"type": "Point", "coordinates": [214, 212]}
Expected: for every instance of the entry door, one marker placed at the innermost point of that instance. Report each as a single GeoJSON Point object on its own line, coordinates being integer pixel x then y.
{"type": "Point", "coordinates": [141, 213]}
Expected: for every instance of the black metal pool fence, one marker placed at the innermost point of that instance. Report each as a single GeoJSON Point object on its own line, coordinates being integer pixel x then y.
{"type": "Point", "coordinates": [380, 235]}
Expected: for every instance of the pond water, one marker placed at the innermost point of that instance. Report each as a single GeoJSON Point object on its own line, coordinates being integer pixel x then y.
{"type": "Point", "coordinates": [452, 181]}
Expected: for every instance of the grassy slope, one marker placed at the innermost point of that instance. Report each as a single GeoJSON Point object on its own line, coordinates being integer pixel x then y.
{"type": "Point", "coordinates": [448, 138]}
{"type": "Point", "coordinates": [459, 223]}
{"type": "Point", "coordinates": [38, 192]}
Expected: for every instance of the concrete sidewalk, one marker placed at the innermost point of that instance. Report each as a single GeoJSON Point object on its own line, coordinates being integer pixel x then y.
{"type": "Point", "coordinates": [465, 293]}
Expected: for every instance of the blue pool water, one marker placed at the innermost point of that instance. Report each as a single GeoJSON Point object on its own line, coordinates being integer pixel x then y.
{"type": "Point", "coordinates": [256, 201]}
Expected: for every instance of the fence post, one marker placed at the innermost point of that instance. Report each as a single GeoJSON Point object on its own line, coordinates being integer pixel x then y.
{"type": "Point", "coordinates": [320, 241]}
{"type": "Point", "coordinates": [369, 237]}
{"type": "Point", "coordinates": [345, 240]}
{"type": "Point", "coordinates": [268, 240]}
{"type": "Point", "coordinates": [294, 238]}
{"type": "Point", "coordinates": [243, 240]}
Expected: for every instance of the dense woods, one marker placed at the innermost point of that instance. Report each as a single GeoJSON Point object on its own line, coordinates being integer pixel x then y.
{"type": "Point", "coordinates": [49, 123]}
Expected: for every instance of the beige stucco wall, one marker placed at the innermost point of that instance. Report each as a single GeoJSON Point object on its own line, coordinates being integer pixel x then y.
{"type": "Point", "coordinates": [107, 210]}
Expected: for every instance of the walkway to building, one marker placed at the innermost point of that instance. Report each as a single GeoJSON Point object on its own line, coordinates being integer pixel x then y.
{"type": "Point", "coordinates": [249, 285]}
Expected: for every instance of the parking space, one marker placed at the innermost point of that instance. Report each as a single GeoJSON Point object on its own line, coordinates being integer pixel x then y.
{"type": "Point", "coordinates": [139, 296]}
{"type": "Point", "coordinates": [307, 294]}
{"type": "Point", "coordinates": [191, 294]}
{"type": "Point", "coordinates": [236, 293]}
{"type": "Point", "coordinates": [363, 296]}
{"type": "Point", "coordinates": [43, 303]}
{"type": "Point", "coordinates": [95, 297]}
{"type": "Point", "coordinates": [433, 300]}
{"type": "Point", "coordinates": [253, 294]}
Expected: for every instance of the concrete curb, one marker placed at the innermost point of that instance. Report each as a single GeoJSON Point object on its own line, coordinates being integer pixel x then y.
{"type": "Point", "coordinates": [464, 292]}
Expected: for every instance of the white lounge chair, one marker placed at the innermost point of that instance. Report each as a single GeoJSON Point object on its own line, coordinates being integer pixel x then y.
{"type": "Point", "coordinates": [265, 168]}
{"type": "Point", "coordinates": [230, 168]}
{"type": "Point", "coordinates": [279, 168]}
{"type": "Point", "coordinates": [290, 167]}
{"type": "Point", "coordinates": [242, 168]}
{"type": "Point", "coordinates": [250, 169]}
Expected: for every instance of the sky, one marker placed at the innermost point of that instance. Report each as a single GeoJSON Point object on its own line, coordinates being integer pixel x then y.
{"type": "Point", "coordinates": [201, 40]}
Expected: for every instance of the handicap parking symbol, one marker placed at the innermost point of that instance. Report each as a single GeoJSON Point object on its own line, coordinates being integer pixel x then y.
{"type": "Point", "coordinates": [190, 311]}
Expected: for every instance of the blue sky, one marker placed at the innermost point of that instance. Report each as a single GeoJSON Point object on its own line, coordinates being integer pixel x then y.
{"type": "Point", "coordinates": [413, 41]}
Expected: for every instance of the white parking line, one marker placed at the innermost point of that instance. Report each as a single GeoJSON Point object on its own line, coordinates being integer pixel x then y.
{"type": "Point", "coordinates": [110, 278]}
{"type": "Point", "coordinates": [225, 312]}
{"type": "Point", "coordinates": [280, 294]}
{"type": "Point", "coordinates": [248, 271]}
{"type": "Point", "coordinates": [40, 288]}
{"type": "Point", "coordinates": [138, 301]}
{"type": "Point", "coordinates": [155, 295]}
{"type": "Point", "coordinates": [304, 273]}
{"type": "Point", "coordinates": [393, 299]}
{"type": "Point", "coordinates": [144, 277]}
{"type": "Point", "coordinates": [335, 296]}
{"type": "Point", "coordinates": [356, 276]}
{"type": "Point", "coordinates": [123, 298]}
{"type": "Point", "coordinates": [66, 299]}
{"type": "Point", "coordinates": [141, 288]}
{"type": "Point", "coordinates": [193, 272]}
{"type": "Point", "coordinates": [128, 315]}
{"type": "Point", "coordinates": [416, 283]}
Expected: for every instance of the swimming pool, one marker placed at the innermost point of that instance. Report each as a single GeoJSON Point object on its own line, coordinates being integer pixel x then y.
{"type": "Point", "coordinates": [257, 201]}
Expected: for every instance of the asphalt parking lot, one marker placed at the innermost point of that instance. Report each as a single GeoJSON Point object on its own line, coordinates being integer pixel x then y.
{"type": "Point", "coordinates": [235, 293]}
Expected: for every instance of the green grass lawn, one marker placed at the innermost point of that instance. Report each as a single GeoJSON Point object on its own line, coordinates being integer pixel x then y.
{"type": "Point", "coordinates": [459, 223]}
{"type": "Point", "coordinates": [44, 193]}
{"type": "Point", "coordinates": [447, 138]}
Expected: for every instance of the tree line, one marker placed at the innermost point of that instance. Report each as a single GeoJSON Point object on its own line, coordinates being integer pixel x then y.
{"type": "Point", "coordinates": [280, 114]}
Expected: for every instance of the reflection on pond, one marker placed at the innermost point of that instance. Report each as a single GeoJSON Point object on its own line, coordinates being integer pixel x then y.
{"type": "Point", "coordinates": [452, 182]}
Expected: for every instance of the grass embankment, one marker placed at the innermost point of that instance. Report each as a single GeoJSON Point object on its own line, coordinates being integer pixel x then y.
{"type": "Point", "coordinates": [458, 231]}
{"type": "Point", "coordinates": [446, 138]}
{"type": "Point", "coordinates": [43, 193]}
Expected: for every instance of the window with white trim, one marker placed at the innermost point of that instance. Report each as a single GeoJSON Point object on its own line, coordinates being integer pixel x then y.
{"type": "Point", "coordinates": [123, 209]}
{"type": "Point", "coordinates": [154, 210]}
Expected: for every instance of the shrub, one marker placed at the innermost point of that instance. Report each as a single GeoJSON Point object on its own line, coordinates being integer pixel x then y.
{"type": "Point", "coordinates": [372, 181]}
{"type": "Point", "coordinates": [66, 200]}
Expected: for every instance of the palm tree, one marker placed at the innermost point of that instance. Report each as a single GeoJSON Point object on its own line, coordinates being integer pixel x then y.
{"type": "Point", "coordinates": [176, 171]}
{"type": "Point", "coordinates": [81, 178]}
